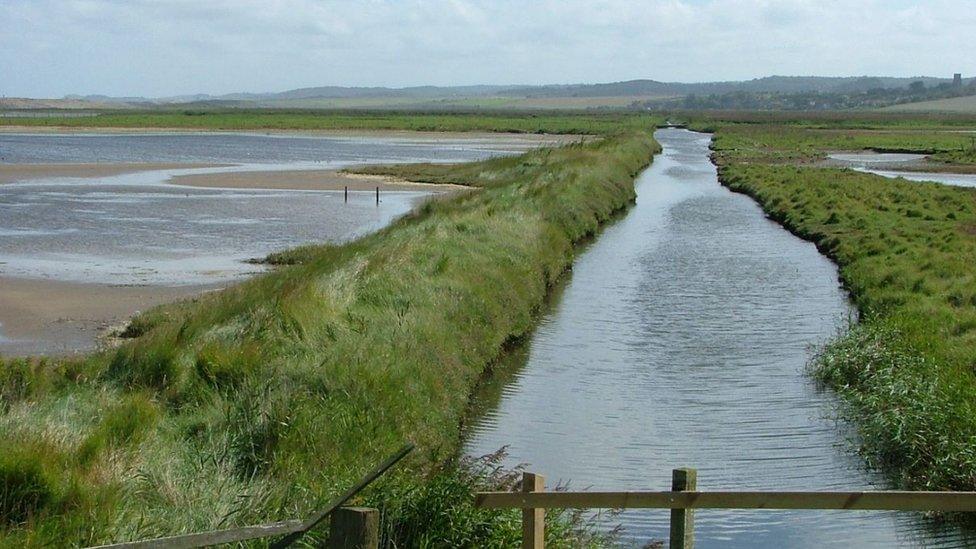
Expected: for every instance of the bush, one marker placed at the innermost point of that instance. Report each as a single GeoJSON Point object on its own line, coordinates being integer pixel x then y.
{"type": "Point", "coordinates": [439, 511]}
{"type": "Point", "coordinates": [912, 421]}
{"type": "Point", "coordinates": [27, 484]}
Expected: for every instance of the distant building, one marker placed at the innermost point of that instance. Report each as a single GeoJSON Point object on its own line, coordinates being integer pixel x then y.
{"type": "Point", "coordinates": [957, 79]}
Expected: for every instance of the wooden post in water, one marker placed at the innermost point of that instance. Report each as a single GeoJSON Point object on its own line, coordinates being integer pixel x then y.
{"type": "Point", "coordinates": [346, 193]}
{"type": "Point", "coordinates": [533, 520]}
{"type": "Point", "coordinates": [377, 196]}
{"type": "Point", "coordinates": [354, 528]}
{"type": "Point", "coordinates": [683, 520]}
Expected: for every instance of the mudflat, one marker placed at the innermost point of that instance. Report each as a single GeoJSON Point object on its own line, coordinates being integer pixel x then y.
{"type": "Point", "coordinates": [53, 317]}
{"type": "Point", "coordinates": [20, 172]}
{"type": "Point", "coordinates": [307, 180]}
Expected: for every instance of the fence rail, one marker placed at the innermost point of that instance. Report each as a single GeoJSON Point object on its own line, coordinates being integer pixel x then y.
{"type": "Point", "coordinates": [853, 501]}
{"type": "Point", "coordinates": [684, 498]}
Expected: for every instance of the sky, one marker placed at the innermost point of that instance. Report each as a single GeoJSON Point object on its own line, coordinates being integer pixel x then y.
{"type": "Point", "coordinates": [158, 48]}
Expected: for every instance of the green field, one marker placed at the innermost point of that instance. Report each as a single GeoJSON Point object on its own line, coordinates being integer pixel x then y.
{"type": "Point", "coordinates": [263, 401]}
{"type": "Point", "coordinates": [527, 122]}
{"type": "Point", "coordinates": [906, 253]}
{"type": "Point", "coordinates": [962, 105]}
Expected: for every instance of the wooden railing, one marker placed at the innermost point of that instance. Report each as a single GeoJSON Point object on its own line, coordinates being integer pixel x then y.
{"type": "Point", "coordinates": [684, 498]}
{"type": "Point", "coordinates": [292, 530]}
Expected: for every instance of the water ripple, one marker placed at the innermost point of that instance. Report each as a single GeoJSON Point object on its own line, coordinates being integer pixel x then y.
{"type": "Point", "coordinates": [681, 339]}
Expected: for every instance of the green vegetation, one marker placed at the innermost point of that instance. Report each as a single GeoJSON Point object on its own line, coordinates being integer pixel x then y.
{"type": "Point", "coordinates": [906, 251]}
{"type": "Point", "coordinates": [965, 104]}
{"type": "Point", "coordinates": [266, 119]}
{"type": "Point", "coordinates": [263, 401]}
{"type": "Point", "coordinates": [781, 142]}
{"type": "Point", "coordinates": [439, 512]}
{"type": "Point", "coordinates": [827, 120]}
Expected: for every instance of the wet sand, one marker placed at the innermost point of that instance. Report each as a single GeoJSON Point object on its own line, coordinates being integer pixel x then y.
{"type": "Point", "coordinates": [54, 317]}
{"type": "Point", "coordinates": [307, 180]}
{"type": "Point", "coordinates": [20, 172]}
{"type": "Point", "coordinates": [528, 140]}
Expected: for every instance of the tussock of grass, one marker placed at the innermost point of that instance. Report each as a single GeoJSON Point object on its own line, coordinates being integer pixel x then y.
{"type": "Point", "coordinates": [27, 484]}
{"type": "Point", "coordinates": [123, 424]}
{"type": "Point", "coordinates": [906, 252]}
{"type": "Point", "coordinates": [263, 401]}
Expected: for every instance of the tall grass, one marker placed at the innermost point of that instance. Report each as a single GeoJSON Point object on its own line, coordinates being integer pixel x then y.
{"type": "Point", "coordinates": [262, 401]}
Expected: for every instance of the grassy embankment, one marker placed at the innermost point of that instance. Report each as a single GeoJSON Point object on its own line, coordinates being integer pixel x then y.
{"type": "Point", "coordinates": [907, 253]}
{"type": "Point", "coordinates": [262, 401]}
{"type": "Point", "coordinates": [310, 120]}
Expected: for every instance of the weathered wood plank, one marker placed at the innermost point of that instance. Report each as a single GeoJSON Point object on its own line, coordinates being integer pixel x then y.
{"type": "Point", "coordinates": [533, 520]}
{"type": "Point", "coordinates": [890, 500]}
{"type": "Point", "coordinates": [683, 520]}
{"type": "Point", "coordinates": [354, 528]}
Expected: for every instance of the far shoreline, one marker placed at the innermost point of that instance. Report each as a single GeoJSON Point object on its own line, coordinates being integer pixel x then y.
{"type": "Point", "coordinates": [10, 173]}
{"type": "Point", "coordinates": [532, 140]}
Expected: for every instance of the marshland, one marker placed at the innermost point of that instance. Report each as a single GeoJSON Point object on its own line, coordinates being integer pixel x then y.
{"type": "Point", "coordinates": [221, 309]}
{"type": "Point", "coordinates": [300, 376]}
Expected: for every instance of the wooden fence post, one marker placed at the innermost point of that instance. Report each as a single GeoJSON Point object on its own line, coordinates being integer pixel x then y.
{"type": "Point", "coordinates": [533, 520]}
{"type": "Point", "coordinates": [683, 520]}
{"type": "Point", "coordinates": [354, 528]}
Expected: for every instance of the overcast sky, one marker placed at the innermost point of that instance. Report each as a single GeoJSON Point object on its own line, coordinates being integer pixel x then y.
{"type": "Point", "coordinates": [49, 48]}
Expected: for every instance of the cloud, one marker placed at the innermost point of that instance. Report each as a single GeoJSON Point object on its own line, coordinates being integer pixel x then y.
{"type": "Point", "coordinates": [164, 47]}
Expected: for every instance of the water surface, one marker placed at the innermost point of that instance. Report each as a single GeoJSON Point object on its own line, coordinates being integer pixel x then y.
{"type": "Point", "coordinates": [680, 340]}
{"type": "Point", "coordinates": [119, 231]}
{"type": "Point", "coordinates": [881, 164]}
{"type": "Point", "coordinates": [238, 148]}
{"type": "Point", "coordinates": [136, 229]}
{"type": "Point", "coordinates": [954, 179]}
{"type": "Point", "coordinates": [872, 158]}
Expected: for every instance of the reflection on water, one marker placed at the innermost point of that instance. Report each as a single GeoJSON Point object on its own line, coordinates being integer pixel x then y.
{"type": "Point", "coordinates": [680, 339]}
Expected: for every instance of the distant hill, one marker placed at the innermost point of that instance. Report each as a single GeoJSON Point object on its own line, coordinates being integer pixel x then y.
{"type": "Point", "coordinates": [766, 92]}
{"type": "Point", "coordinates": [768, 84]}
{"type": "Point", "coordinates": [26, 103]}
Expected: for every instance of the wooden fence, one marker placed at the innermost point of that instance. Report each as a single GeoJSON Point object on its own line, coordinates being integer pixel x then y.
{"type": "Point", "coordinates": [684, 498]}
{"type": "Point", "coordinates": [291, 530]}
